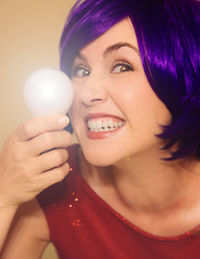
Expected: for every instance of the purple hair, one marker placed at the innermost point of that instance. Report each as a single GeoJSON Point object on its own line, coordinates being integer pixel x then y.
{"type": "Point", "coordinates": [168, 35]}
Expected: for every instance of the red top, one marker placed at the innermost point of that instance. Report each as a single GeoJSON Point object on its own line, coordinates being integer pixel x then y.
{"type": "Point", "coordinates": [84, 226]}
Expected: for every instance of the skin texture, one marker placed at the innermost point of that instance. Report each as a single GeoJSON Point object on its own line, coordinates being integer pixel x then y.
{"type": "Point", "coordinates": [124, 168]}
{"type": "Point", "coordinates": [119, 91]}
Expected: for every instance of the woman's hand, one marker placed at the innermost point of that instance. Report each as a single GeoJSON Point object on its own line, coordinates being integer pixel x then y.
{"type": "Point", "coordinates": [29, 162]}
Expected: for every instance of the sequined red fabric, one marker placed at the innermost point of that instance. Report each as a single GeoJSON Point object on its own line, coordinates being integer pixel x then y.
{"type": "Point", "coordinates": [83, 226]}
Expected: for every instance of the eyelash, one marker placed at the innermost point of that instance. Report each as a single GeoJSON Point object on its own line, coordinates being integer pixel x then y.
{"type": "Point", "coordinates": [77, 68]}
{"type": "Point", "coordinates": [127, 66]}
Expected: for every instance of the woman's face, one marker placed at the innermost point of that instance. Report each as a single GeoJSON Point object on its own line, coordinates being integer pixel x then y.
{"type": "Point", "coordinates": [115, 113]}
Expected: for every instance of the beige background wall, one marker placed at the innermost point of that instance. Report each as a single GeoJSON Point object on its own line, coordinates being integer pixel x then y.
{"type": "Point", "coordinates": [29, 38]}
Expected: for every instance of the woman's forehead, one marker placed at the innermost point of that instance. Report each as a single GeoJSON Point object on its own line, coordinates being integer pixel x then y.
{"type": "Point", "coordinates": [119, 34]}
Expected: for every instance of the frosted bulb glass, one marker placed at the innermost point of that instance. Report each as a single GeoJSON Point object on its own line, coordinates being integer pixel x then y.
{"type": "Point", "coordinates": [48, 91]}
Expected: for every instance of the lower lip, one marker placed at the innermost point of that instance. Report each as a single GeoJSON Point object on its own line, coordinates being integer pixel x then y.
{"type": "Point", "coordinates": [101, 134]}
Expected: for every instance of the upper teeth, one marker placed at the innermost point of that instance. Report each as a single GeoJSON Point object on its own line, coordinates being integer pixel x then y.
{"type": "Point", "coordinates": [105, 125]}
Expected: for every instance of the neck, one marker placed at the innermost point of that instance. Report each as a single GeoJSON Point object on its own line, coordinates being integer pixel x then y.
{"type": "Point", "coordinates": [153, 186]}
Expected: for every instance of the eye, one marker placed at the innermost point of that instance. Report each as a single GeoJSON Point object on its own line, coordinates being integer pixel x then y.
{"type": "Point", "coordinates": [80, 72]}
{"type": "Point", "coordinates": [122, 67]}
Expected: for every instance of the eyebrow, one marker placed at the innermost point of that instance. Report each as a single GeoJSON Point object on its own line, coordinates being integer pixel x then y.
{"type": "Point", "coordinates": [111, 49]}
{"type": "Point", "coordinates": [117, 46]}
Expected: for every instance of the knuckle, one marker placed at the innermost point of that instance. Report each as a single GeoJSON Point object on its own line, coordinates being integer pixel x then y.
{"type": "Point", "coordinates": [63, 170]}
{"type": "Point", "coordinates": [47, 139]}
{"type": "Point", "coordinates": [32, 184]}
{"type": "Point", "coordinates": [60, 175]}
{"type": "Point", "coordinates": [66, 167]}
{"type": "Point", "coordinates": [12, 140]}
{"type": "Point", "coordinates": [17, 156]}
{"type": "Point", "coordinates": [60, 156]}
{"type": "Point", "coordinates": [16, 150]}
{"type": "Point", "coordinates": [68, 136]}
{"type": "Point", "coordinates": [25, 168]}
{"type": "Point", "coordinates": [65, 154]}
{"type": "Point", "coordinates": [26, 127]}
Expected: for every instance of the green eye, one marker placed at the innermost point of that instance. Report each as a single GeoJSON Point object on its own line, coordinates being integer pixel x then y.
{"type": "Point", "coordinates": [80, 72]}
{"type": "Point", "coordinates": [122, 67]}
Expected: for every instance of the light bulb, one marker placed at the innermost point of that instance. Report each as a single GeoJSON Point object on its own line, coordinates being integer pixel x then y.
{"type": "Point", "coordinates": [48, 91]}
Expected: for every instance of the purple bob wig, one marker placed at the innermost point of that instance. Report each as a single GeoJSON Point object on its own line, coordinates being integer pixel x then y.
{"type": "Point", "coordinates": [168, 35]}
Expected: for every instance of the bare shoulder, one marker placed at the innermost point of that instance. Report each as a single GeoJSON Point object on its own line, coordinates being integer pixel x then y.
{"type": "Point", "coordinates": [29, 234]}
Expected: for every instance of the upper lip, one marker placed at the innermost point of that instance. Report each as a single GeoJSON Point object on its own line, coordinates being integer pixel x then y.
{"type": "Point", "coordinates": [100, 115]}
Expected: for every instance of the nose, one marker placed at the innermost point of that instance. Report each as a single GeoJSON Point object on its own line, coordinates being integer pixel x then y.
{"type": "Point", "coordinates": [93, 91]}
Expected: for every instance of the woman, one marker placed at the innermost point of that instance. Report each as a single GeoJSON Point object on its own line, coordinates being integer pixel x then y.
{"type": "Point", "coordinates": [133, 187]}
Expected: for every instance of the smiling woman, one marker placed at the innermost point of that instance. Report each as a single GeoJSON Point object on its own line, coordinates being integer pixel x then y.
{"type": "Point", "coordinates": [160, 32]}
{"type": "Point", "coordinates": [109, 83]}
{"type": "Point", "coordinates": [130, 187]}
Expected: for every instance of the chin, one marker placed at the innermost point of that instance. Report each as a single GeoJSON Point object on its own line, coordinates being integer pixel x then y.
{"type": "Point", "coordinates": [98, 158]}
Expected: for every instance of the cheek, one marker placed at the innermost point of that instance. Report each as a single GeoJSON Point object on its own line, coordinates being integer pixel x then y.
{"type": "Point", "coordinates": [140, 105]}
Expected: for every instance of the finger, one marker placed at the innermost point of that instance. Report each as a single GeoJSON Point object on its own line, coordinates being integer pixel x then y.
{"type": "Point", "coordinates": [36, 126]}
{"type": "Point", "coordinates": [53, 176]}
{"type": "Point", "coordinates": [50, 160]}
{"type": "Point", "coordinates": [47, 141]}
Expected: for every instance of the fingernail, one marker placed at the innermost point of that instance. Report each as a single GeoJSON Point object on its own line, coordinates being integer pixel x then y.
{"type": "Point", "coordinates": [63, 120]}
